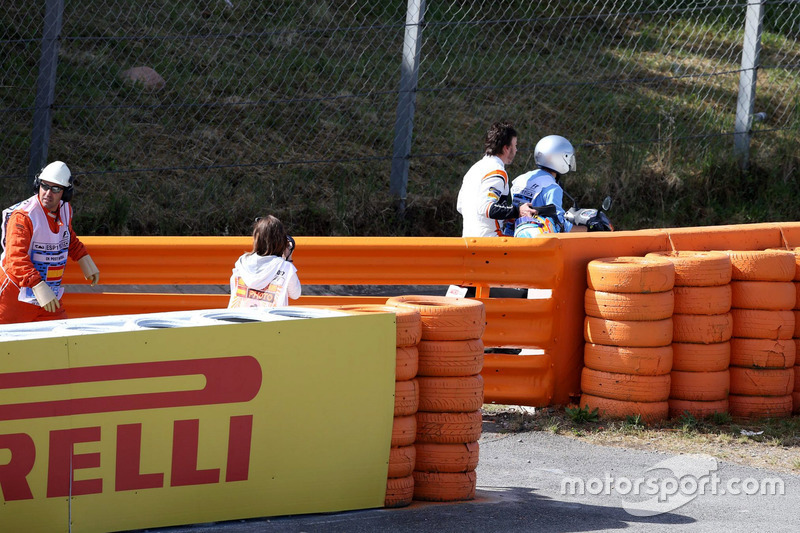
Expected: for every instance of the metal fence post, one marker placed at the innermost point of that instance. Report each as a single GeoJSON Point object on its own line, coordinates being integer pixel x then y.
{"type": "Point", "coordinates": [745, 105]}
{"type": "Point", "coordinates": [406, 102]}
{"type": "Point", "coordinates": [45, 85]}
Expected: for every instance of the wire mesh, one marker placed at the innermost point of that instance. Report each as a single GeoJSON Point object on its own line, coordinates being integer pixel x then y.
{"type": "Point", "coordinates": [287, 105]}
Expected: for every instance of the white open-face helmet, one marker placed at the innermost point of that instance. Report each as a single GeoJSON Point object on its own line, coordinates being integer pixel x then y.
{"type": "Point", "coordinates": [556, 153]}
{"type": "Point", "coordinates": [56, 172]}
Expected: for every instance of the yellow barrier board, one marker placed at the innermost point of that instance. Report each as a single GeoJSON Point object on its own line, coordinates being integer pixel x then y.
{"type": "Point", "coordinates": [164, 427]}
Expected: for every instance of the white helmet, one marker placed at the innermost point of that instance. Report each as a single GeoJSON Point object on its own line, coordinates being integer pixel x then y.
{"type": "Point", "coordinates": [556, 153]}
{"type": "Point", "coordinates": [56, 172]}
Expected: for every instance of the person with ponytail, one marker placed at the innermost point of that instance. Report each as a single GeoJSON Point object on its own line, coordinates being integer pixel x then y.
{"type": "Point", "coordinates": [266, 277]}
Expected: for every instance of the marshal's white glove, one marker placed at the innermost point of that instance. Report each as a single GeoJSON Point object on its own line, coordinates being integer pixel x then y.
{"type": "Point", "coordinates": [46, 297]}
{"type": "Point", "coordinates": [89, 269]}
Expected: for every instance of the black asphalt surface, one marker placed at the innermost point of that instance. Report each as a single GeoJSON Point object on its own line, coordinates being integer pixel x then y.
{"type": "Point", "coordinates": [520, 479]}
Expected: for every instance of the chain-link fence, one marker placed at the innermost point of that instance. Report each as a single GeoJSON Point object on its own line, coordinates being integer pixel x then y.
{"type": "Point", "coordinates": [313, 110]}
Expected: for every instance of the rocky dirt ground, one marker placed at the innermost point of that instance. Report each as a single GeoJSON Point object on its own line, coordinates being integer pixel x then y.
{"type": "Point", "coordinates": [769, 444]}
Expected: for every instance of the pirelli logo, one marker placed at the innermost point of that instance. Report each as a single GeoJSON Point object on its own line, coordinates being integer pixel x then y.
{"type": "Point", "coordinates": [135, 386]}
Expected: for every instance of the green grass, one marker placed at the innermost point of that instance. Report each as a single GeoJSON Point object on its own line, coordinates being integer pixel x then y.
{"type": "Point", "coordinates": [242, 118]}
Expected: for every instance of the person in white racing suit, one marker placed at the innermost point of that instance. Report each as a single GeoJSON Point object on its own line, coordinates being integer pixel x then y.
{"type": "Point", "coordinates": [555, 156]}
{"type": "Point", "coordinates": [483, 198]}
{"type": "Point", "coordinates": [484, 202]}
{"type": "Point", "coordinates": [266, 277]}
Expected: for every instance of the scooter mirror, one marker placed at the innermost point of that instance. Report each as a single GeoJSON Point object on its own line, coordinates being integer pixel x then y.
{"type": "Point", "coordinates": [606, 205]}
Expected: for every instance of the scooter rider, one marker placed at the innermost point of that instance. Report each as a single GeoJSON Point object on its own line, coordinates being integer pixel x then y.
{"type": "Point", "coordinates": [555, 156]}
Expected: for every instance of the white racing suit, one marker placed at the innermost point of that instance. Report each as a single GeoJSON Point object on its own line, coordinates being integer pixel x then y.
{"type": "Point", "coordinates": [483, 186]}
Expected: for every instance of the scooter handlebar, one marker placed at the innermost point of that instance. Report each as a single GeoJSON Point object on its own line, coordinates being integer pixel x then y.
{"type": "Point", "coordinates": [581, 217]}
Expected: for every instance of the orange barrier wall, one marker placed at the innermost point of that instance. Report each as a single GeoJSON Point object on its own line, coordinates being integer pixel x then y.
{"type": "Point", "coordinates": [558, 262]}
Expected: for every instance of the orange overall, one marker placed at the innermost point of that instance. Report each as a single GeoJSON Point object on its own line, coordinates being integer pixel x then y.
{"type": "Point", "coordinates": [18, 269]}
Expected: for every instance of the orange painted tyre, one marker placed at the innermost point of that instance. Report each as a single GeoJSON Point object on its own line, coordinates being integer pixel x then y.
{"type": "Point", "coordinates": [630, 274]}
{"type": "Point", "coordinates": [699, 386]}
{"type": "Point", "coordinates": [653, 361]}
{"type": "Point", "coordinates": [702, 329]}
{"type": "Point", "coordinates": [404, 430]}
{"type": "Point", "coordinates": [796, 294]}
{"type": "Point", "coordinates": [760, 406]}
{"type": "Point", "coordinates": [762, 265]}
{"type": "Point", "coordinates": [399, 492]}
{"type": "Point", "coordinates": [433, 457]}
{"type": "Point", "coordinates": [448, 428]}
{"type": "Point", "coordinates": [444, 486]}
{"type": "Point", "coordinates": [628, 305]}
{"type": "Point", "coordinates": [607, 408]}
{"type": "Point", "coordinates": [698, 269]}
{"type": "Point", "coordinates": [626, 387]}
{"type": "Point", "coordinates": [758, 382]}
{"type": "Point", "coordinates": [450, 358]}
{"type": "Point", "coordinates": [796, 324]}
{"type": "Point", "coordinates": [409, 323]}
{"type": "Point", "coordinates": [406, 397]}
{"type": "Point", "coordinates": [697, 409]}
{"type": "Point", "coordinates": [702, 300]}
{"type": "Point", "coordinates": [627, 332]}
{"type": "Point", "coordinates": [450, 394]}
{"type": "Point", "coordinates": [796, 252]}
{"type": "Point", "coordinates": [776, 295]}
{"type": "Point", "coordinates": [795, 403]}
{"type": "Point", "coordinates": [401, 461]}
{"type": "Point", "coordinates": [446, 319]}
{"type": "Point", "coordinates": [763, 324]}
{"type": "Point", "coordinates": [763, 353]}
{"type": "Point", "coordinates": [406, 363]}
{"type": "Point", "coordinates": [692, 357]}
{"type": "Point", "coordinates": [796, 369]}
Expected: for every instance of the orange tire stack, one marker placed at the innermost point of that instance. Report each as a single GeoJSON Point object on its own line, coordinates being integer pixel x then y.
{"type": "Point", "coordinates": [762, 348]}
{"type": "Point", "coordinates": [403, 453]}
{"type": "Point", "coordinates": [450, 396]}
{"type": "Point", "coordinates": [703, 325]}
{"type": "Point", "coordinates": [628, 333]}
{"type": "Point", "coordinates": [796, 368]}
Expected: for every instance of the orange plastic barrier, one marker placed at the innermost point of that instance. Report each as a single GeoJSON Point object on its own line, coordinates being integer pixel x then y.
{"type": "Point", "coordinates": [556, 262]}
{"type": "Point", "coordinates": [331, 260]}
{"type": "Point", "coordinates": [518, 379]}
